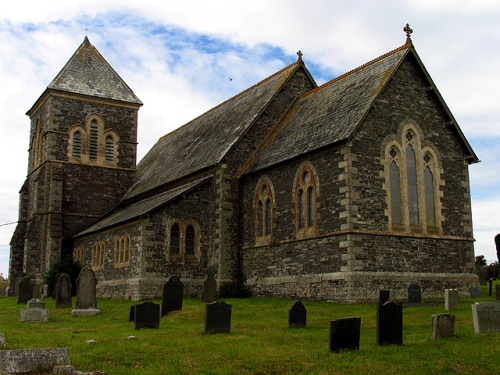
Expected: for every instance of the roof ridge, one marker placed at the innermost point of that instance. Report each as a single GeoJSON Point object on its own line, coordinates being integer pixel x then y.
{"type": "Point", "coordinates": [298, 62]}
{"type": "Point", "coordinates": [408, 44]}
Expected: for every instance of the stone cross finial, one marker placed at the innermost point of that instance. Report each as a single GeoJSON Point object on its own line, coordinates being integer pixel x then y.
{"type": "Point", "coordinates": [299, 54]}
{"type": "Point", "coordinates": [408, 30]}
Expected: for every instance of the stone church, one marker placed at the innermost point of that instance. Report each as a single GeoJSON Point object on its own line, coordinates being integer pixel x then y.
{"type": "Point", "coordinates": [329, 192]}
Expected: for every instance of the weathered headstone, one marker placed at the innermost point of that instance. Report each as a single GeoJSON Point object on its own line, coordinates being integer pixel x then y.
{"type": "Point", "coordinates": [344, 334]}
{"type": "Point", "coordinates": [86, 301]}
{"type": "Point", "coordinates": [450, 299]}
{"type": "Point", "coordinates": [209, 293]}
{"type": "Point", "coordinates": [147, 315]}
{"type": "Point", "coordinates": [37, 287]}
{"type": "Point", "coordinates": [23, 361]}
{"type": "Point", "coordinates": [173, 292]}
{"type": "Point", "coordinates": [36, 312]}
{"type": "Point", "coordinates": [443, 325]}
{"type": "Point", "coordinates": [390, 324]}
{"type": "Point", "coordinates": [475, 292]}
{"type": "Point", "coordinates": [384, 296]}
{"type": "Point", "coordinates": [486, 317]}
{"type": "Point", "coordinates": [414, 294]}
{"type": "Point", "coordinates": [297, 315]}
{"type": "Point", "coordinates": [481, 273]}
{"type": "Point", "coordinates": [62, 292]}
{"type": "Point", "coordinates": [217, 317]}
{"type": "Point", "coordinates": [17, 279]}
{"type": "Point", "coordinates": [25, 291]}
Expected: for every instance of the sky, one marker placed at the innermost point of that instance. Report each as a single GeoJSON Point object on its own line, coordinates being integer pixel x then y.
{"type": "Point", "coordinates": [181, 58]}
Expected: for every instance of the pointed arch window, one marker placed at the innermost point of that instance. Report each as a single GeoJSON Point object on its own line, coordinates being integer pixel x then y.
{"type": "Point", "coordinates": [93, 140]}
{"type": "Point", "coordinates": [264, 203]}
{"type": "Point", "coordinates": [411, 169]}
{"type": "Point", "coordinates": [175, 238]}
{"type": "Point", "coordinates": [189, 240]}
{"type": "Point", "coordinates": [76, 151]}
{"type": "Point", "coordinates": [183, 242]}
{"type": "Point", "coordinates": [110, 149]}
{"type": "Point", "coordinates": [306, 192]}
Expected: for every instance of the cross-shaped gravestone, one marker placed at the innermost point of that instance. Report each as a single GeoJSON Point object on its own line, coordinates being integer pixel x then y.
{"type": "Point", "coordinates": [37, 284]}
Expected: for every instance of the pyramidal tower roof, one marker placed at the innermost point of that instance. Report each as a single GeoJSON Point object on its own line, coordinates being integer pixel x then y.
{"type": "Point", "coordinates": [88, 73]}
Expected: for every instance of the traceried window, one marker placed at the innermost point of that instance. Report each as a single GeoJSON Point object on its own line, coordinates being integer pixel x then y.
{"type": "Point", "coordinates": [78, 255]}
{"type": "Point", "coordinates": [411, 184]}
{"type": "Point", "coordinates": [98, 251]}
{"type": "Point", "coordinates": [305, 193]}
{"type": "Point", "coordinates": [92, 143]}
{"type": "Point", "coordinates": [121, 254]}
{"type": "Point", "coordinates": [183, 242]}
{"type": "Point", "coordinates": [263, 206]}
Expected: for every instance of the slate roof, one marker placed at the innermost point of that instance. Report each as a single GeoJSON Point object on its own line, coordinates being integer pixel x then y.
{"type": "Point", "coordinates": [88, 73]}
{"type": "Point", "coordinates": [138, 209]}
{"type": "Point", "coordinates": [330, 113]}
{"type": "Point", "coordinates": [204, 141]}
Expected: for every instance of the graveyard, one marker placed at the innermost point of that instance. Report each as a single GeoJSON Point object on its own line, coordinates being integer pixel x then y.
{"type": "Point", "coordinates": [259, 341]}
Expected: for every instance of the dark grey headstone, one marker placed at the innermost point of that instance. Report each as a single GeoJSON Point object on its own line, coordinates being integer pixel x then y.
{"type": "Point", "coordinates": [443, 325]}
{"type": "Point", "coordinates": [131, 314]}
{"type": "Point", "coordinates": [384, 296]}
{"type": "Point", "coordinates": [209, 293]}
{"type": "Point", "coordinates": [414, 294]}
{"type": "Point", "coordinates": [147, 315]}
{"type": "Point", "coordinates": [17, 279]}
{"type": "Point", "coordinates": [217, 317]}
{"type": "Point", "coordinates": [344, 334]}
{"type": "Point", "coordinates": [62, 292]}
{"type": "Point", "coordinates": [390, 324]}
{"type": "Point", "coordinates": [86, 292]}
{"type": "Point", "coordinates": [173, 292]}
{"type": "Point", "coordinates": [497, 292]}
{"type": "Point", "coordinates": [475, 292]}
{"type": "Point", "coordinates": [297, 315]}
{"type": "Point", "coordinates": [25, 292]}
{"type": "Point", "coordinates": [481, 273]}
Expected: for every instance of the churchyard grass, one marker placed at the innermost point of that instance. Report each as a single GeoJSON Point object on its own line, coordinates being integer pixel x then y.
{"type": "Point", "coordinates": [260, 341]}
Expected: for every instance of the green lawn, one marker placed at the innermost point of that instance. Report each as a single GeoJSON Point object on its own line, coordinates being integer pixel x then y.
{"type": "Point", "coordinates": [260, 341]}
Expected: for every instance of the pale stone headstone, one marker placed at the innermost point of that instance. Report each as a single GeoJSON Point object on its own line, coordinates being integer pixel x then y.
{"type": "Point", "coordinates": [217, 317]}
{"type": "Point", "coordinates": [37, 287]}
{"type": "Point", "coordinates": [344, 334]}
{"type": "Point", "coordinates": [390, 323]}
{"type": "Point", "coordinates": [173, 293]}
{"type": "Point", "coordinates": [24, 361]}
{"type": "Point", "coordinates": [86, 301]}
{"type": "Point", "coordinates": [450, 299]}
{"type": "Point", "coordinates": [297, 315]}
{"type": "Point", "coordinates": [63, 292]}
{"type": "Point", "coordinates": [486, 317]}
{"type": "Point", "coordinates": [209, 293]}
{"type": "Point", "coordinates": [414, 294]}
{"type": "Point", "coordinates": [147, 315]}
{"type": "Point", "coordinates": [443, 325]}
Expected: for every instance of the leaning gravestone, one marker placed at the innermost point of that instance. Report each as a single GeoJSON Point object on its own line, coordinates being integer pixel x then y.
{"type": "Point", "coordinates": [173, 292]}
{"type": "Point", "coordinates": [209, 293]}
{"type": "Point", "coordinates": [443, 325]}
{"type": "Point", "coordinates": [475, 292]}
{"type": "Point", "coordinates": [344, 334]}
{"type": "Point", "coordinates": [297, 315]}
{"type": "Point", "coordinates": [217, 317]}
{"type": "Point", "coordinates": [25, 291]}
{"type": "Point", "coordinates": [390, 324]}
{"type": "Point", "coordinates": [147, 315]}
{"type": "Point", "coordinates": [486, 316]}
{"type": "Point", "coordinates": [86, 301]}
{"type": "Point", "coordinates": [450, 299]}
{"type": "Point", "coordinates": [414, 294]}
{"type": "Point", "coordinates": [62, 292]}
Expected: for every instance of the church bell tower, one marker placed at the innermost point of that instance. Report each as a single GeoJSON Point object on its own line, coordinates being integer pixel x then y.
{"type": "Point", "coordinates": [82, 158]}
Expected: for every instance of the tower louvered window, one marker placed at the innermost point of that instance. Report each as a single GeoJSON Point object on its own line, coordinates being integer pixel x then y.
{"type": "Point", "coordinates": [110, 149]}
{"type": "Point", "coordinates": [77, 145]}
{"type": "Point", "coordinates": [93, 140]}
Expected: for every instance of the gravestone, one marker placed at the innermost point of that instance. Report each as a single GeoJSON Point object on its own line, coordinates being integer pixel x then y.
{"type": "Point", "coordinates": [147, 315]}
{"type": "Point", "coordinates": [173, 292]}
{"type": "Point", "coordinates": [209, 293]}
{"type": "Point", "coordinates": [86, 301]}
{"type": "Point", "coordinates": [62, 292]}
{"type": "Point", "coordinates": [36, 312]}
{"type": "Point", "coordinates": [450, 299]}
{"type": "Point", "coordinates": [217, 317]}
{"type": "Point", "coordinates": [25, 291]}
{"type": "Point", "coordinates": [390, 324]}
{"type": "Point", "coordinates": [37, 287]}
{"type": "Point", "coordinates": [297, 315]}
{"type": "Point", "coordinates": [131, 314]}
{"type": "Point", "coordinates": [414, 294]}
{"type": "Point", "coordinates": [475, 292]}
{"type": "Point", "coordinates": [17, 279]}
{"type": "Point", "coordinates": [443, 325]}
{"type": "Point", "coordinates": [481, 273]}
{"type": "Point", "coordinates": [486, 317]}
{"type": "Point", "coordinates": [497, 292]}
{"type": "Point", "coordinates": [344, 334]}
{"type": "Point", "coordinates": [384, 296]}
{"type": "Point", "coordinates": [23, 361]}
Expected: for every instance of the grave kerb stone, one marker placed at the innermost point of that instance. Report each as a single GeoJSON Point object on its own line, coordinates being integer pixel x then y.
{"type": "Point", "coordinates": [28, 360]}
